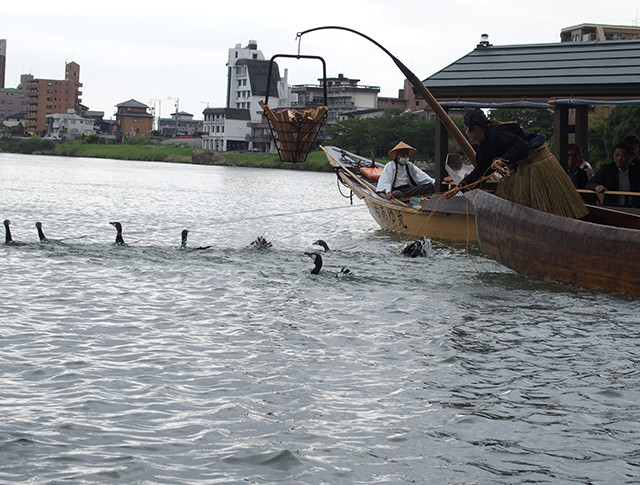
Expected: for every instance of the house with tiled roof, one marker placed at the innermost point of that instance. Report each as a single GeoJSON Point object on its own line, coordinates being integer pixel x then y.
{"type": "Point", "coordinates": [133, 119]}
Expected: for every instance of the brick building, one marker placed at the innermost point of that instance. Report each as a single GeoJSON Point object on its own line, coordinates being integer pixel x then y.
{"type": "Point", "coordinates": [133, 119]}
{"type": "Point", "coordinates": [49, 96]}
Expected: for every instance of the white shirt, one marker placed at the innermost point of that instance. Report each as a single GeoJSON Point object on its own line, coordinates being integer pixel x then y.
{"type": "Point", "coordinates": [389, 173]}
{"type": "Point", "coordinates": [458, 175]}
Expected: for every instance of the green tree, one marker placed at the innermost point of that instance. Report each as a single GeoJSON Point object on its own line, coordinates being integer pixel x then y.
{"type": "Point", "coordinates": [606, 133]}
{"type": "Point", "coordinates": [537, 120]}
{"type": "Point", "coordinates": [380, 134]}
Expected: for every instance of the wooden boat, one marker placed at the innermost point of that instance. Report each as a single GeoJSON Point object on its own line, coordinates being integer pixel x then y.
{"type": "Point", "coordinates": [434, 217]}
{"type": "Point", "coordinates": [601, 250]}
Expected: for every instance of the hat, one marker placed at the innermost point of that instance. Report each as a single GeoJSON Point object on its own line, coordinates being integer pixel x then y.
{"type": "Point", "coordinates": [402, 146]}
{"type": "Point", "coordinates": [473, 116]}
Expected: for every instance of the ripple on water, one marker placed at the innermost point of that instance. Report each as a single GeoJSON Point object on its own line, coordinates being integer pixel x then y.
{"type": "Point", "coordinates": [152, 365]}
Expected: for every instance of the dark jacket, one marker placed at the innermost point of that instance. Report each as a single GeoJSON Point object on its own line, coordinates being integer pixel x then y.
{"type": "Point", "coordinates": [608, 176]}
{"type": "Point", "coordinates": [579, 178]}
{"type": "Point", "coordinates": [507, 141]}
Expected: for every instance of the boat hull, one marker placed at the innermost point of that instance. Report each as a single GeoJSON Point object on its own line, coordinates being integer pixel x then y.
{"type": "Point", "coordinates": [559, 249]}
{"type": "Point", "coordinates": [435, 217]}
{"type": "Point", "coordinates": [437, 224]}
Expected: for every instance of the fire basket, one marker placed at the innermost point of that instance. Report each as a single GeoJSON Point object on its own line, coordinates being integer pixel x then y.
{"type": "Point", "coordinates": [295, 130]}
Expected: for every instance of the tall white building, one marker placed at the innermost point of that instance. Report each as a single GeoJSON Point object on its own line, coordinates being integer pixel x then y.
{"type": "Point", "coordinates": [247, 73]}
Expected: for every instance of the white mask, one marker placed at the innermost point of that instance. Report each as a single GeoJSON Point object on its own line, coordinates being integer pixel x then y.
{"type": "Point", "coordinates": [403, 160]}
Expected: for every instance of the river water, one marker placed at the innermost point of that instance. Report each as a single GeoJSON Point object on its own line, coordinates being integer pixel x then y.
{"type": "Point", "coordinates": [147, 364]}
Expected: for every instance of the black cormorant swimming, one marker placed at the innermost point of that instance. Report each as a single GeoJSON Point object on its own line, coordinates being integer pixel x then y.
{"type": "Point", "coordinates": [44, 239]}
{"type": "Point", "coordinates": [417, 248]}
{"type": "Point", "coordinates": [260, 243]}
{"type": "Point", "coordinates": [119, 240]}
{"type": "Point", "coordinates": [320, 242]}
{"type": "Point", "coordinates": [317, 259]}
{"type": "Point", "coordinates": [8, 239]}
{"type": "Point", "coordinates": [184, 242]}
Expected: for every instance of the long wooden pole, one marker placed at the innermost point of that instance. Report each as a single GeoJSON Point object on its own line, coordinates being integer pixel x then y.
{"type": "Point", "coordinates": [421, 88]}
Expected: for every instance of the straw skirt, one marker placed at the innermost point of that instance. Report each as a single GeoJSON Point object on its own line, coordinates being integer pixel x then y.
{"type": "Point", "coordinates": [541, 183]}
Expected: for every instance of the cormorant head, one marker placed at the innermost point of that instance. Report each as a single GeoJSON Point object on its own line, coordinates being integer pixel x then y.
{"type": "Point", "coordinates": [320, 242]}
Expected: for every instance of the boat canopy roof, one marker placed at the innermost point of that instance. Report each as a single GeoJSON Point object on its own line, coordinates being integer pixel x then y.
{"type": "Point", "coordinates": [605, 72]}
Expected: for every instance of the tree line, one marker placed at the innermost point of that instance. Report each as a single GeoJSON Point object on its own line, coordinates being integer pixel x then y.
{"type": "Point", "coordinates": [381, 133]}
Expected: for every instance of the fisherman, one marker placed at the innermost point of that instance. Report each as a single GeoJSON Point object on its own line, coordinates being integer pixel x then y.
{"type": "Point", "coordinates": [401, 178]}
{"type": "Point", "coordinates": [535, 178]}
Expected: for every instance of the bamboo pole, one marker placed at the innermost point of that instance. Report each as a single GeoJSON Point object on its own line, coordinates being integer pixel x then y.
{"type": "Point", "coordinates": [424, 92]}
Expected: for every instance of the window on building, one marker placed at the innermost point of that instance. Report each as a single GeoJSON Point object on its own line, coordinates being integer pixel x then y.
{"type": "Point", "coordinates": [136, 120]}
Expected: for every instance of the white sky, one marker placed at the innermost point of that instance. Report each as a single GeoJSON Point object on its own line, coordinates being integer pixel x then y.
{"type": "Point", "coordinates": [159, 50]}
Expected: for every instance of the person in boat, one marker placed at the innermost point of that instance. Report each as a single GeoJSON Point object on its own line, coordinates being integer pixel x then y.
{"type": "Point", "coordinates": [618, 175]}
{"type": "Point", "coordinates": [506, 141]}
{"type": "Point", "coordinates": [633, 141]}
{"type": "Point", "coordinates": [401, 178]}
{"type": "Point", "coordinates": [456, 169]}
{"type": "Point", "coordinates": [578, 175]}
{"type": "Point", "coordinates": [574, 153]}
{"type": "Point", "coordinates": [535, 178]}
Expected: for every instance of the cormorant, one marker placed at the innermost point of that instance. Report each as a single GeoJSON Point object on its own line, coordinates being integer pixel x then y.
{"type": "Point", "coordinates": [8, 239]}
{"type": "Point", "coordinates": [317, 259]}
{"type": "Point", "coordinates": [417, 248]}
{"type": "Point", "coordinates": [320, 242]}
{"type": "Point", "coordinates": [260, 243]}
{"type": "Point", "coordinates": [44, 239]}
{"type": "Point", "coordinates": [184, 242]}
{"type": "Point", "coordinates": [119, 240]}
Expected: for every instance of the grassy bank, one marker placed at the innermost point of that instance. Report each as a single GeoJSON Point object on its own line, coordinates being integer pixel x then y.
{"type": "Point", "coordinates": [316, 161]}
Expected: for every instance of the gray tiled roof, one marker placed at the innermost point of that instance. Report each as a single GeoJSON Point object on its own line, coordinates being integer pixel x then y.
{"type": "Point", "coordinates": [609, 68]}
{"type": "Point", "coordinates": [132, 103]}
{"type": "Point", "coordinates": [230, 113]}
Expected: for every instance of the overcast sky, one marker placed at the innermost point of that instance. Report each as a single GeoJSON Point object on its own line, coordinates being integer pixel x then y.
{"type": "Point", "coordinates": [159, 51]}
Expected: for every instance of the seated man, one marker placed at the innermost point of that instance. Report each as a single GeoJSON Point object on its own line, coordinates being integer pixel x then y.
{"type": "Point", "coordinates": [620, 176]}
{"type": "Point", "coordinates": [401, 178]}
{"type": "Point", "coordinates": [633, 141]}
{"type": "Point", "coordinates": [577, 174]}
{"type": "Point", "coordinates": [574, 152]}
{"type": "Point", "coordinates": [456, 169]}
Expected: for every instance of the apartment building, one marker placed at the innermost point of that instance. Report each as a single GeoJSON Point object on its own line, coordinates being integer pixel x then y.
{"type": "Point", "coordinates": [49, 96]}
{"type": "Point", "coordinates": [343, 95]}
{"type": "Point", "coordinates": [599, 32]}
{"type": "Point", "coordinates": [247, 76]}
{"type": "Point", "coordinates": [180, 124]}
{"type": "Point", "coordinates": [225, 129]}
{"type": "Point", "coordinates": [13, 101]}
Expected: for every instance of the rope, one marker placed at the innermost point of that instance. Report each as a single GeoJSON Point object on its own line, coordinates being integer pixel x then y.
{"type": "Point", "coordinates": [176, 228]}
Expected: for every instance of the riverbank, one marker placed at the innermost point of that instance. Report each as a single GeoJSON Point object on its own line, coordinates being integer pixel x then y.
{"type": "Point", "coordinates": [316, 160]}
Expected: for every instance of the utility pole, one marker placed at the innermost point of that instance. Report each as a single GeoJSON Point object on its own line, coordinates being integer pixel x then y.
{"type": "Point", "coordinates": [177, 108]}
